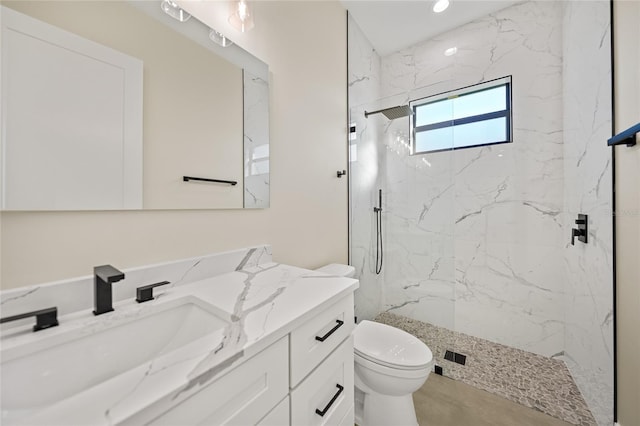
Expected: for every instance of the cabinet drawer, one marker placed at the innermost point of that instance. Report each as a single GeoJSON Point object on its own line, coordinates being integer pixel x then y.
{"type": "Point", "coordinates": [241, 397]}
{"type": "Point", "coordinates": [279, 416]}
{"type": "Point", "coordinates": [316, 338]}
{"type": "Point", "coordinates": [318, 391]}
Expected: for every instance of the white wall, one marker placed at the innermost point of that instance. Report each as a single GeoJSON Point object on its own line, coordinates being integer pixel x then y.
{"type": "Point", "coordinates": [307, 221]}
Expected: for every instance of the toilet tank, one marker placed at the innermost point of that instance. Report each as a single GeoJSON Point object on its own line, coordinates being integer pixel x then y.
{"type": "Point", "coordinates": [338, 270]}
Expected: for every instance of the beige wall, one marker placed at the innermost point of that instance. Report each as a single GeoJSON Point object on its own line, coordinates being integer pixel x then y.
{"type": "Point", "coordinates": [304, 44]}
{"type": "Point", "coordinates": [627, 108]}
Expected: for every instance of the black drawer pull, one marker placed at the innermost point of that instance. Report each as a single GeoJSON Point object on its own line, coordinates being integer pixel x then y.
{"type": "Point", "coordinates": [323, 412]}
{"type": "Point", "coordinates": [323, 338]}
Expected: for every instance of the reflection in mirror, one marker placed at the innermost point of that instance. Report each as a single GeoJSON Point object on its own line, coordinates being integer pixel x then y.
{"type": "Point", "coordinates": [256, 141]}
{"type": "Point", "coordinates": [77, 135]}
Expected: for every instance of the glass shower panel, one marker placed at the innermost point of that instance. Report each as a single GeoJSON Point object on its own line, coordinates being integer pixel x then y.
{"type": "Point", "coordinates": [366, 178]}
{"type": "Point", "coordinates": [417, 279]}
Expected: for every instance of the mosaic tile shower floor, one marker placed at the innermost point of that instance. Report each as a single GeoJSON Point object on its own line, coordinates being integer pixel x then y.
{"type": "Point", "coordinates": [531, 380]}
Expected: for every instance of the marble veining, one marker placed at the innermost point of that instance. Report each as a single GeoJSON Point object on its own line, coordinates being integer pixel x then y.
{"type": "Point", "coordinates": [263, 302]}
{"type": "Point", "coordinates": [77, 293]}
{"type": "Point", "coordinates": [474, 236]}
{"type": "Point", "coordinates": [587, 189]}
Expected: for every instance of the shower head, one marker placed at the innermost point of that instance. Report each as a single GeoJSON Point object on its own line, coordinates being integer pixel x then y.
{"type": "Point", "coordinates": [393, 112]}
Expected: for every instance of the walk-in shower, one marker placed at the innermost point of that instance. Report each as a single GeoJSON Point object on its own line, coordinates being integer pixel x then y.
{"type": "Point", "coordinates": [477, 247]}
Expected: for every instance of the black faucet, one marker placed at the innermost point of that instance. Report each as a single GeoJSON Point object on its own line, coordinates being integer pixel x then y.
{"type": "Point", "coordinates": [45, 318]}
{"type": "Point", "coordinates": [104, 276]}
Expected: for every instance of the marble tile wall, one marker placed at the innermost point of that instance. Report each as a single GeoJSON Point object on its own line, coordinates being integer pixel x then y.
{"type": "Point", "coordinates": [475, 236]}
{"type": "Point", "coordinates": [587, 189]}
{"type": "Point", "coordinates": [77, 293]}
{"type": "Point", "coordinates": [366, 169]}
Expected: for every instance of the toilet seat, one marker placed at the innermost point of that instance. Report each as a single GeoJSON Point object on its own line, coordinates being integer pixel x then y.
{"type": "Point", "coordinates": [397, 373]}
{"type": "Point", "coordinates": [390, 347]}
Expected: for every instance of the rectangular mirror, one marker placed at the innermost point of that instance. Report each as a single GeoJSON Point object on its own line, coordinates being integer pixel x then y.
{"type": "Point", "coordinates": [115, 105]}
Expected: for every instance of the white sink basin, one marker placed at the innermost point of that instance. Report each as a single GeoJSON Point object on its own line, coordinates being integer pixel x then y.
{"type": "Point", "coordinates": [63, 364]}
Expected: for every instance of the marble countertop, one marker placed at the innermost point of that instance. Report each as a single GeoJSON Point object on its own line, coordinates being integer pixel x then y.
{"type": "Point", "coordinates": [262, 304]}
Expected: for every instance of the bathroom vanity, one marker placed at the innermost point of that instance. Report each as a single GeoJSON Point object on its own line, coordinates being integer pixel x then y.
{"type": "Point", "coordinates": [263, 343]}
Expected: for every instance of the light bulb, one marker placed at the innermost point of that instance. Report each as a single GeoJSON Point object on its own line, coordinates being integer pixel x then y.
{"type": "Point", "coordinates": [451, 51]}
{"type": "Point", "coordinates": [219, 38]}
{"type": "Point", "coordinates": [172, 9]}
{"type": "Point", "coordinates": [241, 17]}
{"type": "Point", "coordinates": [441, 6]}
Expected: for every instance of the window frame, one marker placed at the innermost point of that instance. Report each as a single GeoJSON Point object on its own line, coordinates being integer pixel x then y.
{"type": "Point", "coordinates": [507, 113]}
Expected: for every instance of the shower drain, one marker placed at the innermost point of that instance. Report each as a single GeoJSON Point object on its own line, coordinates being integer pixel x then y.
{"type": "Point", "coordinates": [455, 357]}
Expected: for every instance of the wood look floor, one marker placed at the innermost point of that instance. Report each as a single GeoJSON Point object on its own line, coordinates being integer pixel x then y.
{"type": "Point", "coordinates": [445, 402]}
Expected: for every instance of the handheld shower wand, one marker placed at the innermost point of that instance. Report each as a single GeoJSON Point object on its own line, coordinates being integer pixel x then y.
{"type": "Point", "coordinates": [379, 249]}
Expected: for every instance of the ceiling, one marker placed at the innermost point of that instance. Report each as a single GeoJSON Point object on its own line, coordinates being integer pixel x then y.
{"type": "Point", "coordinates": [394, 25]}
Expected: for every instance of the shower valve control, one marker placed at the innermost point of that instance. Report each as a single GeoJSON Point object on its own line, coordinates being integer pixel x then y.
{"type": "Point", "coordinates": [581, 230]}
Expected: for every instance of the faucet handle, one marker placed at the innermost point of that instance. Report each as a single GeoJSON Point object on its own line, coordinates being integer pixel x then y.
{"type": "Point", "coordinates": [45, 318]}
{"type": "Point", "coordinates": [145, 293]}
{"type": "Point", "coordinates": [575, 233]}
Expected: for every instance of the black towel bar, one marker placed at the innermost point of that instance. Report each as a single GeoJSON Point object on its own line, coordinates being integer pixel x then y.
{"type": "Point", "coordinates": [188, 178]}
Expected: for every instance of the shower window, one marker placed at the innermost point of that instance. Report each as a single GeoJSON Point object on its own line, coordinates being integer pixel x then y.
{"type": "Point", "coordinates": [463, 118]}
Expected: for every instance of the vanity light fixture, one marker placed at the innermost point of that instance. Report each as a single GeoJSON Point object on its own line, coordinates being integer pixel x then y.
{"type": "Point", "coordinates": [451, 51]}
{"type": "Point", "coordinates": [172, 9]}
{"type": "Point", "coordinates": [440, 6]}
{"type": "Point", "coordinates": [241, 17]}
{"type": "Point", "coordinates": [219, 38]}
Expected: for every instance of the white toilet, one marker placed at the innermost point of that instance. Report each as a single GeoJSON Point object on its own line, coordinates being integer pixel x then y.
{"type": "Point", "coordinates": [390, 364]}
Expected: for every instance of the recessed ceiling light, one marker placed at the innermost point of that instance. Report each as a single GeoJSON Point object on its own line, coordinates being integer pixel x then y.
{"type": "Point", "coordinates": [451, 51]}
{"type": "Point", "coordinates": [440, 6]}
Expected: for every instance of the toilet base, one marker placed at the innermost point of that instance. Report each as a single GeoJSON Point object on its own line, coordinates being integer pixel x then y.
{"type": "Point", "coordinates": [385, 410]}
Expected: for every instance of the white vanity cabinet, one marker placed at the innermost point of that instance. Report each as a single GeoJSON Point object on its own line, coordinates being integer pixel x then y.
{"type": "Point", "coordinates": [299, 380]}
{"type": "Point", "coordinates": [325, 397]}
{"type": "Point", "coordinates": [321, 364]}
{"type": "Point", "coordinates": [241, 397]}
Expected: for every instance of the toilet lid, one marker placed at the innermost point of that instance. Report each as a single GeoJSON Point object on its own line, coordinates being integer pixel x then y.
{"type": "Point", "coordinates": [386, 345]}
